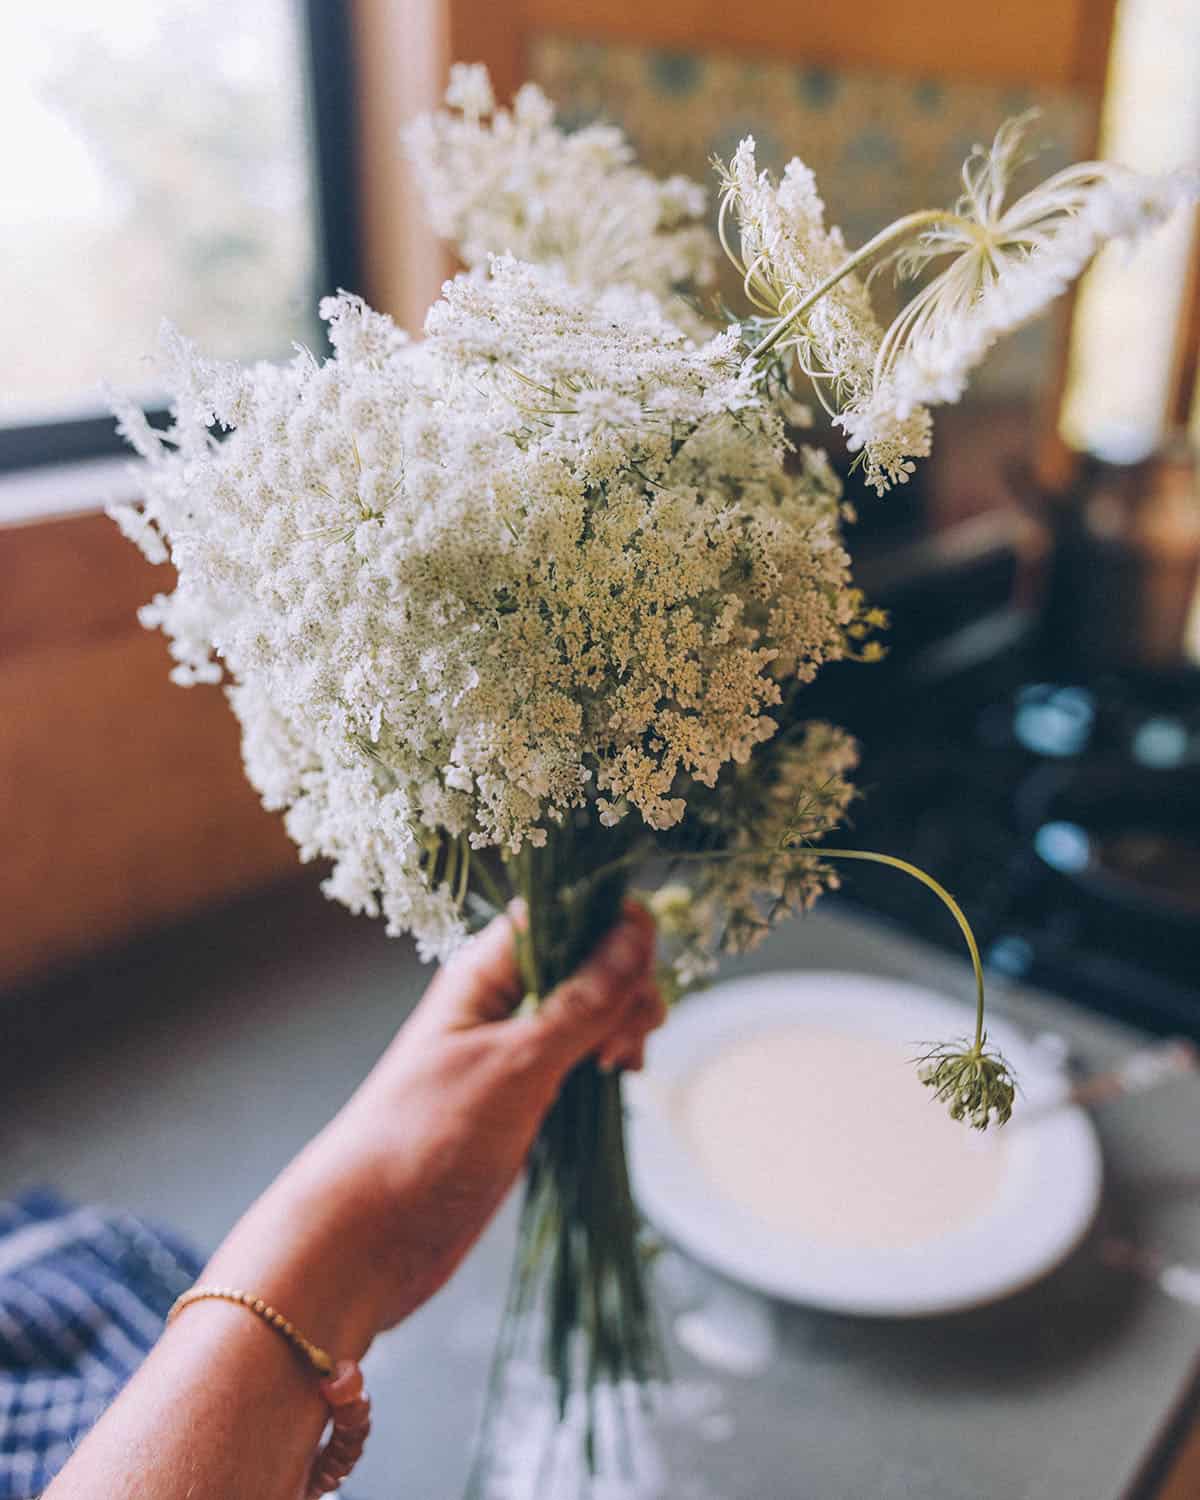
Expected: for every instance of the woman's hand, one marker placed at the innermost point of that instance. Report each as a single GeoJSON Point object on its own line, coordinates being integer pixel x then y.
{"type": "Point", "coordinates": [379, 1210]}
{"type": "Point", "coordinates": [365, 1224]}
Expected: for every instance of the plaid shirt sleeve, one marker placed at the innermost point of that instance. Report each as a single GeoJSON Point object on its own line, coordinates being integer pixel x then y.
{"type": "Point", "coordinates": [83, 1296]}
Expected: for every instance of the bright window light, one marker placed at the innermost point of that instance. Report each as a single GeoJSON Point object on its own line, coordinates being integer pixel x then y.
{"type": "Point", "coordinates": [157, 164]}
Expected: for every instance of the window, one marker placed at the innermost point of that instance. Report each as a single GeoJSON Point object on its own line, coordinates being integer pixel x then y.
{"type": "Point", "coordinates": [1124, 340]}
{"type": "Point", "coordinates": [163, 162]}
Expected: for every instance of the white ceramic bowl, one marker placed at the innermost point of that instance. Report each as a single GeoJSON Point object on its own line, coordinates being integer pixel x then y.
{"type": "Point", "coordinates": [1043, 1205]}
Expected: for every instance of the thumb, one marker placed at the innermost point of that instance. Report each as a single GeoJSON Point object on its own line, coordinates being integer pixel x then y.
{"type": "Point", "coordinates": [478, 984]}
{"type": "Point", "coordinates": [593, 1004]}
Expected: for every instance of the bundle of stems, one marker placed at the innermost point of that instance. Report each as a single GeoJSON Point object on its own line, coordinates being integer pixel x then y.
{"type": "Point", "coordinates": [580, 1308]}
{"type": "Point", "coordinates": [579, 1305]}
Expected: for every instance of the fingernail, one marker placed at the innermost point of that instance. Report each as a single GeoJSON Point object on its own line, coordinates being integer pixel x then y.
{"type": "Point", "coordinates": [621, 952]}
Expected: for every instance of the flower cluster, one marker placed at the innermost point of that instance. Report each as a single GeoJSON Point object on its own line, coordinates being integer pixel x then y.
{"type": "Point", "coordinates": [973, 1080]}
{"type": "Point", "coordinates": [1006, 264]}
{"type": "Point", "coordinates": [753, 843]}
{"type": "Point", "coordinates": [559, 554]}
{"type": "Point", "coordinates": [1002, 267]}
{"type": "Point", "coordinates": [529, 604]}
{"type": "Point", "coordinates": [499, 181]}
{"type": "Point", "coordinates": [786, 254]}
{"type": "Point", "coordinates": [551, 555]}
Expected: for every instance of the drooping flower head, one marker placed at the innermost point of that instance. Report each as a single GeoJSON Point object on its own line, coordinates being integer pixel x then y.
{"type": "Point", "coordinates": [1002, 264]}
{"type": "Point", "coordinates": [973, 1079]}
{"type": "Point", "coordinates": [1005, 263]}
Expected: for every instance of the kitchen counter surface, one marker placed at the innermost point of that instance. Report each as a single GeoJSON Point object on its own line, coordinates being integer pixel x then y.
{"type": "Point", "coordinates": [176, 1078]}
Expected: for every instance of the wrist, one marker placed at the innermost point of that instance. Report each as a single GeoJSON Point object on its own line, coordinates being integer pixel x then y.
{"type": "Point", "coordinates": [306, 1247]}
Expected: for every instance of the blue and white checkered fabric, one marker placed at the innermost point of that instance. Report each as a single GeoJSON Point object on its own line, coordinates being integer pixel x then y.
{"type": "Point", "coordinates": [83, 1295]}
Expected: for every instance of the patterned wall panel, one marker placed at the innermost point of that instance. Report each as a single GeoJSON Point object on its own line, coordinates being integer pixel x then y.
{"type": "Point", "coordinates": [879, 145]}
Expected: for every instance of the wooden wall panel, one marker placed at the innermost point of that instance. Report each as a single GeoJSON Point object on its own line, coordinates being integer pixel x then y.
{"type": "Point", "coordinates": [1057, 42]}
{"type": "Point", "coordinates": [122, 797]}
{"type": "Point", "coordinates": [400, 54]}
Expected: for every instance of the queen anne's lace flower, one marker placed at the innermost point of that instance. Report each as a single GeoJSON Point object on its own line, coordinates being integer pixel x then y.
{"type": "Point", "coordinates": [1007, 264]}
{"type": "Point", "coordinates": [531, 602]}
{"type": "Point", "coordinates": [755, 830]}
{"type": "Point", "coordinates": [786, 253]}
{"type": "Point", "coordinates": [559, 554]}
{"type": "Point", "coordinates": [499, 181]}
{"type": "Point", "coordinates": [550, 555]}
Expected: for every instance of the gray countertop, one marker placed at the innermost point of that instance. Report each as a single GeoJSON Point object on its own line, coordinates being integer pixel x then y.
{"type": "Point", "coordinates": [176, 1079]}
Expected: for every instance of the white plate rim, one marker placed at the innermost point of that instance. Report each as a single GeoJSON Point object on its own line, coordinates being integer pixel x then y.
{"type": "Point", "coordinates": [1054, 1181]}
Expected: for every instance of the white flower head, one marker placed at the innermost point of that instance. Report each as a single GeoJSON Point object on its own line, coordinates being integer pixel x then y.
{"type": "Point", "coordinates": [559, 560]}
{"type": "Point", "coordinates": [470, 90]}
{"type": "Point", "coordinates": [550, 558]}
{"type": "Point", "coordinates": [512, 182]}
{"type": "Point", "coordinates": [1007, 262]}
{"type": "Point", "coordinates": [786, 254]}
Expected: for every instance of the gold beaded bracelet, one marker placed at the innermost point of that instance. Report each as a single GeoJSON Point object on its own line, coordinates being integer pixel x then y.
{"type": "Point", "coordinates": [313, 1353]}
{"type": "Point", "coordinates": [341, 1386]}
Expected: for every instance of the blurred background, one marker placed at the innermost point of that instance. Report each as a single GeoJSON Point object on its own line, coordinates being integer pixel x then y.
{"type": "Point", "coordinates": [1034, 736]}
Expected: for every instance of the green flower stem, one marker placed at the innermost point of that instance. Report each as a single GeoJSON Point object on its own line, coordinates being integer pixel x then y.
{"type": "Point", "coordinates": [486, 884]}
{"type": "Point", "coordinates": [945, 898]}
{"type": "Point", "coordinates": [703, 856]}
{"type": "Point", "coordinates": [894, 234]}
{"type": "Point", "coordinates": [579, 1295]}
{"type": "Point", "coordinates": [579, 1302]}
{"type": "Point", "coordinates": [975, 1082]}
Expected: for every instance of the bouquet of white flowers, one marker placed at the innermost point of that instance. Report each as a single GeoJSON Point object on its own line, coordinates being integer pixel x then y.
{"type": "Point", "coordinates": [528, 606]}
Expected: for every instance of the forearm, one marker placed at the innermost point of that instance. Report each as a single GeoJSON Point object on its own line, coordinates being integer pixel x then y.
{"type": "Point", "coordinates": [223, 1406]}
{"type": "Point", "coordinates": [366, 1224]}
